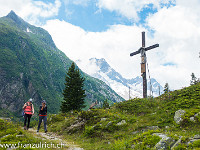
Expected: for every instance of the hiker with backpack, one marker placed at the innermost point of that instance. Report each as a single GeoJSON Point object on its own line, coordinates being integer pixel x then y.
{"type": "Point", "coordinates": [43, 116]}
{"type": "Point", "coordinates": [28, 112]}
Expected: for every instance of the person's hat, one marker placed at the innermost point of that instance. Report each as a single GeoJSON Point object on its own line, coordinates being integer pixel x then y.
{"type": "Point", "coordinates": [44, 101]}
{"type": "Point", "coordinates": [30, 100]}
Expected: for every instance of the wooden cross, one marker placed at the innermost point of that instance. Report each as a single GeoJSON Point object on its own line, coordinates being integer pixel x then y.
{"type": "Point", "coordinates": [143, 50]}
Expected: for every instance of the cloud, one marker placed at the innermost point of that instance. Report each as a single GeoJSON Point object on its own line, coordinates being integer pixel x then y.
{"type": "Point", "coordinates": [87, 66]}
{"type": "Point", "coordinates": [130, 8]}
{"type": "Point", "coordinates": [179, 20]}
{"type": "Point", "coordinates": [31, 11]}
{"type": "Point", "coordinates": [46, 9]}
{"type": "Point", "coordinates": [77, 2]}
{"type": "Point", "coordinates": [115, 44]}
{"type": "Point", "coordinates": [177, 30]}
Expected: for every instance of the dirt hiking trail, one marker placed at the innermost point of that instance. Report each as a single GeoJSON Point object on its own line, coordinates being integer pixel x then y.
{"type": "Point", "coordinates": [55, 139]}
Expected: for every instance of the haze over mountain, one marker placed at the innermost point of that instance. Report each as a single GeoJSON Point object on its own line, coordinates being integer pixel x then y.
{"type": "Point", "coordinates": [32, 66]}
{"type": "Point", "coordinates": [100, 69]}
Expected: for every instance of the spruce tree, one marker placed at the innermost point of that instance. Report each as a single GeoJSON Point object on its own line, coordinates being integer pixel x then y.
{"type": "Point", "coordinates": [106, 104]}
{"type": "Point", "coordinates": [194, 80]}
{"type": "Point", "coordinates": [166, 88]}
{"type": "Point", "coordinates": [73, 93]}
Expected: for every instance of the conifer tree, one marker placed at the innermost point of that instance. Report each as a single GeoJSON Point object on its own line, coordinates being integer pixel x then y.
{"type": "Point", "coordinates": [73, 93]}
{"type": "Point", "coordinates": [194, 79]}
{"type": "Point", "coordinates": [166, 88]}
{"type": "Point", "coordinates": [106, 104]}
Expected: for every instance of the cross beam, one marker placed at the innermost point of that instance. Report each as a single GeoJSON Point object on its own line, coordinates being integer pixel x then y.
{"type": "Point", "coordinates": [143, 50]}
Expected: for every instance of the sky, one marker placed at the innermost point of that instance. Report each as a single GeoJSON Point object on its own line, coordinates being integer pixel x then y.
{"type": "Point", "coordinates": [111, 29]}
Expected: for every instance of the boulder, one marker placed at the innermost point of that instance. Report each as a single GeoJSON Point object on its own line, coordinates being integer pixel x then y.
{"type": "Point", "coordinates": [164, 143]}
{"type": "Point", "coordinates": [109, 123]}
{"type": "Point", "coordinates": [135, 132]}
{"type": "Point", "coordinates": [197, 114]}
{"type": "Point", "coordinates": [192, 141]}
{"type": "Point", "coordinates": [76, 127]}
{"type": "Point", "coordinates": [161, 135]}
{"type": "Point", "coordinates": [5, 119]}
{"type": "Point", "coordinates": [178, 116]}
{"type": "Point", "coordinates": [103, 119]}
{"type": "Point", "coordinates": [196, 136]}
{"type": "Point", "coordinates": [123, 122]}
{"type": "Point", "coordinates": [166, 127]}
{"type": "Point", "coordinates": [192, 119]}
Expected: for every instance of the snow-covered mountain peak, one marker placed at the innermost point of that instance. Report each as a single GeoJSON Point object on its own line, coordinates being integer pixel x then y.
{"type": "Point", "coordinates": [102, 64]}
{"type": "Point", "coordinates": [100, 69]}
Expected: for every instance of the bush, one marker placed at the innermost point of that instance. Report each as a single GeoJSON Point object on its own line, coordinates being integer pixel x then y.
{"type": "Point", "coordinates": [55, 118]}
{"type": "Point", "coordinates": [93, 131]}
{"type": "Point", "coordinates": [181, 147]}
{"type": "Point", "coordinates": [147, 139]}
{"type": "Point", "coordinates": [109, 126]}
{"type": "Point", "coordinates": [89, 116]}
{"type": "Point", "coordinates": [196, 143]}
{"type": "Point", "coordinates": [89, 131]}
{"type": "Point", "coordinates": [9, 138]}
{"type": "Point", "coordinates": [186, 118]}
{"type": "Point", "coordinates": [184, 139]}
{"type": "Point", "coordinates": [151, 140]}
{"type": "Point", "coordinates": [121, 144]}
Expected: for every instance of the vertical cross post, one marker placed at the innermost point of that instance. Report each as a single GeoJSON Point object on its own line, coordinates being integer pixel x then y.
{"type": "Point", "coordinates": [143, 66]}
{"type": "Point", "coordinates": [143, 39]}
{"type": "Point", "coordinates": [143, 50]}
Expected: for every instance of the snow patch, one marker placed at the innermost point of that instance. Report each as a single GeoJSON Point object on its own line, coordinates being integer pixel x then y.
{"type": "Point", "coordinates": [28, 30]}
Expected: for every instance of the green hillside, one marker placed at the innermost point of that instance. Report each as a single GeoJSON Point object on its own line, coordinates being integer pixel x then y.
{"type": "Point", "coordinates": [32, 66]}
{"type": "Point", "coordinates": [140, 124]}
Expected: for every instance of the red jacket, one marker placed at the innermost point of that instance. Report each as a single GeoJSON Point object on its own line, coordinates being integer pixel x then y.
{"type": "Point", "coordinates": [28, 109]}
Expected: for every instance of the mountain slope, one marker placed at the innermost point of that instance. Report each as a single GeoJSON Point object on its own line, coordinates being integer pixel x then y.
{"type": "Point", "coordinates": [32, 66]}
{"type": "Point", "coordinates": [103, 71]}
